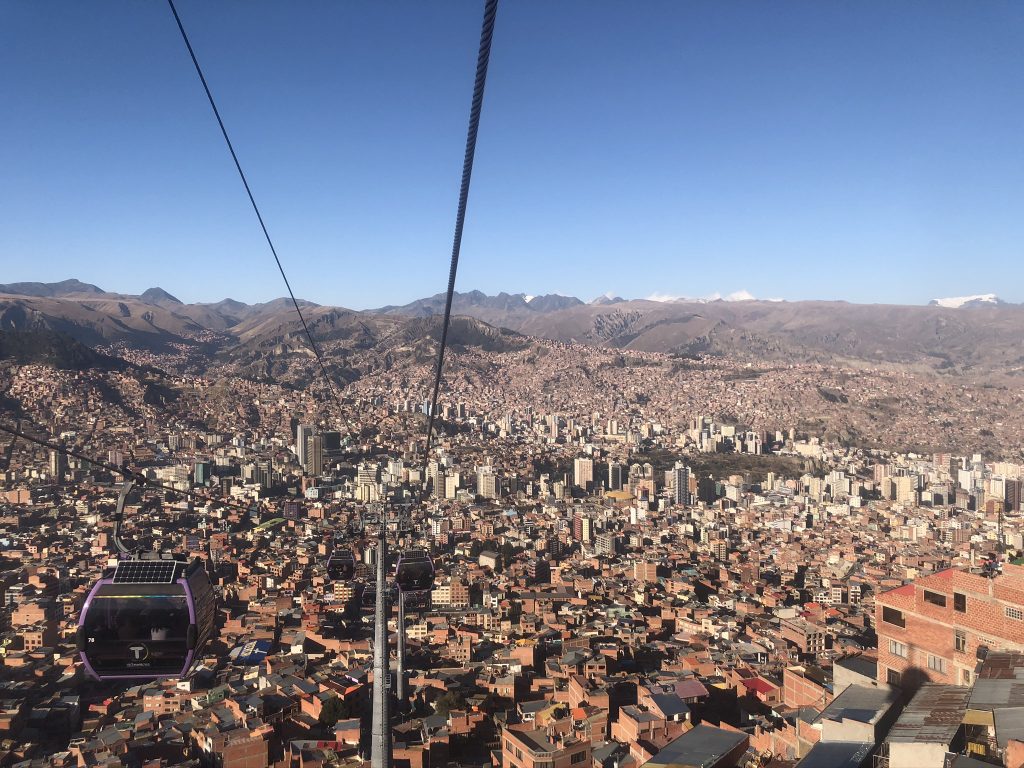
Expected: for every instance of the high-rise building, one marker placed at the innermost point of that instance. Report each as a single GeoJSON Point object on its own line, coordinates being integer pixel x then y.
{"type": "Point", "coordinates": [264, 474]}
{"type": "Point", "coordinates": [1013, 495]}
{"type": "Point", "coordinates": [707, 490]}
{"type": "Point", "coordinates": [435, 478]}
{"type": "Point", "coordinates": [681, 484]}
{"type": "Point", "coordinates": [367, 482]}
{"type": "Point", "coordinates": [720, 549]}
{"type": "Point", "coordinates": [201, 472]}
{"type": "Point", "coordinates": [332, 441]}
{"type": "Point", "coordinates": [607, 543]}
{"type": "Point", "coordinates": [302, 435]}
{"type": "Point", "coordinates": [582, 527]}
{"type": "Point", "coordinates": [583, 472]}
{"type": "Point", "coordinates": [315, 456]}
{"type": "Point", "coordinates": [486, 483]}
{"type": "Point", "coordinates": [451, 485]}
{"type": "Point", "coordinates": [614, 476]}
{"type": "Point", "coordinates": [58, 465]}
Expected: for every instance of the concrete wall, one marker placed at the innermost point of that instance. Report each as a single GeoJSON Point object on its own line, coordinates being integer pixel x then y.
{"type": "Point", "coordinates": [911, 755]}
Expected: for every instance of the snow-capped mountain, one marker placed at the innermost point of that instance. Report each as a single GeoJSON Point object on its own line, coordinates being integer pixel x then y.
{"type": "Point", "coordinates": [741, 295]}
{"type": "Point", "coordinates": [959, 302]}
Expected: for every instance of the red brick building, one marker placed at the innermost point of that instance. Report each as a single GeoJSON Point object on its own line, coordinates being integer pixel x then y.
{"type": "Point", "coordinates": [933, 628]}
{"type": "Point", "coordinates": [805, 687]}
{"type": "Point", "coordinates": [526, 747]}
{"type": "Point", "coordinates": [809, 639]}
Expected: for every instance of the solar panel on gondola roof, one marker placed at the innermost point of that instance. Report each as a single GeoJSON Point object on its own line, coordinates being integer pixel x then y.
{"type": "Point", "coordinates": [145, 572]}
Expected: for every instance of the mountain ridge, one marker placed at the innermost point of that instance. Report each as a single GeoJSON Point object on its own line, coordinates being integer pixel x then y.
{"type": "Point", "coordinates": [986, 335]}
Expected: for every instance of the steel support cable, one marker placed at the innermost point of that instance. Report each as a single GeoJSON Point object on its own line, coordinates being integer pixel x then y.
{"type": "Point", "coordinates": [248, 191]}
{"type": "Point", "coordinates": [483, 58]}
{"type": "Point", "coordinates": [110, 467]}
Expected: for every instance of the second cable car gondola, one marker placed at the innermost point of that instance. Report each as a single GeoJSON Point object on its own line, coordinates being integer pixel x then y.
{"type": "Point", "coordinates": [415, 571]}
{"type": "Point", "coordinates": [368, 598]}
{"type": "Point", "coordinates": [341, 565]}
{"type": "Point", "coordinates": [417, 602]}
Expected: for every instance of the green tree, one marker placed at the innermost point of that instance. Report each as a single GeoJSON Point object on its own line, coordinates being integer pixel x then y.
{"type": "Point", "coordinates": [507, 553]}
{"type": "Point", "coordinates": [334, 709]}
{"type": "Point", "coordinates": [449, 701]}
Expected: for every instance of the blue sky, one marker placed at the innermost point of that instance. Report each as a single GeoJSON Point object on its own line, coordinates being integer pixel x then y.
{"type": "Point", "coordinates": [866, 151]}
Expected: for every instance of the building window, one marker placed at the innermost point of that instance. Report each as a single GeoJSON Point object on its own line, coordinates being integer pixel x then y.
{"type": "Point", "coordinates": [1017, 614]}
{"type": "Point", "coordinates": [960, 641]}
{"type": "Point", "coordinates": [959, 602]}
{"type": "Point", "coordinates": [892, 677]}
{"type": "Point", "coordinates": [579, 757]}
{"type": "Point", "coordinates": [897, 649]}
{"type": "Point", "coordinates": [937, 664]}
{"type": "Point", "coordinates": [893, 616]}
{"type": "Point", "coordinates": [935, 598]}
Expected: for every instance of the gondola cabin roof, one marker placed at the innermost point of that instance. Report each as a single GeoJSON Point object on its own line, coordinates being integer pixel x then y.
{"type": "Point", "coordinates": [149, 571]}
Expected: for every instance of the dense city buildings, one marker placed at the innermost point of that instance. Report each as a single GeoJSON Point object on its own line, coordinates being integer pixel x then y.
{"type": "Point", "coordinates": [658, 568]}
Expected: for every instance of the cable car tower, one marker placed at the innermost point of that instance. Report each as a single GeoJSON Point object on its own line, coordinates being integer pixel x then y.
{"type": "Point", "coordinates": [414, 574]}
{"type": "Point", "coordinates": [380, 725]}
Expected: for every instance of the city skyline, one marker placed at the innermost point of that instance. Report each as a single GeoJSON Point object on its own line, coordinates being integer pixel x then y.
{"type": "Point", "coordinates": [775, 145]}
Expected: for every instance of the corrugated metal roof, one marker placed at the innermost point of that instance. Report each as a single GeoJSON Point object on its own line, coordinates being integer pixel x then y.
{"type": "Point", "coordinates": [992, 694]}
{"type": "Point", "coordinates": [1002, 665]}
{"type": "Point", "coordinates": [1009, 725]}
{"type": "Point", "coordinates": [933, 716]}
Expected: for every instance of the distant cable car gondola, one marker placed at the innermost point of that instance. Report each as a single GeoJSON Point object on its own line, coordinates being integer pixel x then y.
{"type": "Point", "coordinates": [341, 565]}
{"type": "Point", "coordinates": [148, 617]}
{"type": "Point", "coordinates": [417, 602]}
{"type": "Point", "coordinates": [369, 596]}
{"type": "Point", "coordinates": [415, 571]}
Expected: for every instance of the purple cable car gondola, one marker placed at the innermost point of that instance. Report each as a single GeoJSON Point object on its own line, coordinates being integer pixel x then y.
{"type": "Point", "coordinates": [341, 565]}
{"type": "Point", "coordinates": [148, 618]}
{"type": "Point", "coordinates": [368, 599]}
{"type": "Point", "coordinates": [415, 571]}
{"type": "Point", "coordinates": [417, 602]}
